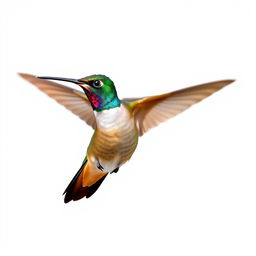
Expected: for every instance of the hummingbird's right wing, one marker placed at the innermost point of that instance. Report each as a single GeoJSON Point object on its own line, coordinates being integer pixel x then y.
{"type": "Point", "coordinates": [70, 98]}
{"type": "Point", "coordinates": [151, 111]}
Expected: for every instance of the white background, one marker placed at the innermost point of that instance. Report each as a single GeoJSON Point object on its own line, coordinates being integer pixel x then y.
{"type": "Point", "coordinates": [189, 188]}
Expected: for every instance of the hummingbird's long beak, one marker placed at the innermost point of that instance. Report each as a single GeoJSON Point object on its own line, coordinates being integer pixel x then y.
{"type": "Point", "coordinates": [75, 81]}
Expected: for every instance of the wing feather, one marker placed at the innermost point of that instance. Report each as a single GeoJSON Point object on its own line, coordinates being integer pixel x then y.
{"type": "Point", "coordinates": [151, 111]}
{"type": "Point", "coordinates": [70, 98]}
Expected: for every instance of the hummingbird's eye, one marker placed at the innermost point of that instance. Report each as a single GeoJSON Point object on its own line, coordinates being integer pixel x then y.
{"type": "Point", "coordinates": [97, 83]}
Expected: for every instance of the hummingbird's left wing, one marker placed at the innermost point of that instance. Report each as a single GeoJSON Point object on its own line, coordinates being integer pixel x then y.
{"type": "Point", "coordinates": [151, 111]}
{"type": "Point", "coordinates": [70, 98]}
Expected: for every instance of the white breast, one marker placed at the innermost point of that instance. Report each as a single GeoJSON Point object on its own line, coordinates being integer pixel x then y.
{"type": "Point", "coordinates": [114, 118]}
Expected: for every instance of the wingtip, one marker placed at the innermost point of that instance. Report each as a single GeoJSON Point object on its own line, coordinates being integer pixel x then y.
{"type": "Point", "coordinates": [229, 81]}
{"type": "Point", "coordinates": [25, 75]}
{"type": "Point", "coordinates": [223, 83]}
{"type": "Point", "coordinates": [21, 74]}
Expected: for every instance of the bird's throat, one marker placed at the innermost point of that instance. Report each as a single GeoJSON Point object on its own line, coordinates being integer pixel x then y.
{"type": "Point", "coordinates": [102, 102]}
{"type": "Point", "coordinates": [94, 99]}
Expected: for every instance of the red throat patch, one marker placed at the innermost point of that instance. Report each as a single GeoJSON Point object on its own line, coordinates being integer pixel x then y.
{"type": "Point", "coordinates": [94, 99]}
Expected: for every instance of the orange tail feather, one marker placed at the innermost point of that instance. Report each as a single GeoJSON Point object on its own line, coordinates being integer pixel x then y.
{"type": "Point", "coordinates": [85, 183]}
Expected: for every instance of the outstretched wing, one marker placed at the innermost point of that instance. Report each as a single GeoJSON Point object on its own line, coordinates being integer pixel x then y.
{"type": "Point", "coordinates": [151, 111]}
{"type": "Point", "coordinates": [70, 98]}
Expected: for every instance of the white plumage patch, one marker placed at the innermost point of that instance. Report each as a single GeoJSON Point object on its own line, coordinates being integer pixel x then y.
{"type": "Point", "coordinates": [114, 118]}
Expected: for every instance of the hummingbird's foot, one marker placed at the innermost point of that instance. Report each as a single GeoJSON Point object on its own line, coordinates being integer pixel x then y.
{"type": "Point", "coordinates": [100, 167]}
{"type": "Point", "coordinates": [115, 171]}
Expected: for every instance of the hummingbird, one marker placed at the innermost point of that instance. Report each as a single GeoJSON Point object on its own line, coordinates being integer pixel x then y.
{"type": "Point", "coordinates": [117, 123]}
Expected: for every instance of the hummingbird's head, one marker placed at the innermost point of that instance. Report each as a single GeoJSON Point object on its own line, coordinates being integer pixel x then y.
{"type": "Point", "coordinates": [99, 89]}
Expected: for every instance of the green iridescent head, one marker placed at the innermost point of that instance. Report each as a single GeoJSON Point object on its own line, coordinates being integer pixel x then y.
{"type": "Point", "coordinates": [99, 89]}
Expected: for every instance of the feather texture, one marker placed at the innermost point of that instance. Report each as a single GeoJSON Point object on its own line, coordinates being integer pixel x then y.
{"type": "Point", "coordinates": [70, 98]}
{"type": "Point", "coordinates": [151, 111]}
{"type": "Point", "coordinates": [85, 183]}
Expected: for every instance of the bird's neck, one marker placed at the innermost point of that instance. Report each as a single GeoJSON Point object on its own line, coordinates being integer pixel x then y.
{"type": "Point", "coordinates": [113, 118]}
{"type": "Point", "coordinates": [109, 104]}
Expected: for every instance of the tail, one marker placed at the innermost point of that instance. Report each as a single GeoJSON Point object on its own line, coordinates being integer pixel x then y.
{"type": "Point", "coordinates": [85, 183]}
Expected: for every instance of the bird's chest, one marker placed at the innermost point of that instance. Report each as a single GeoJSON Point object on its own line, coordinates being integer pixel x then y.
{"type": "Point", "coordinates": [113, 119]}
{"type": "Point", "coordinates": [115, 138]}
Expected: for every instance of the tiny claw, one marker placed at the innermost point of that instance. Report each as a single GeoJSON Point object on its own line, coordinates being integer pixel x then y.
{"type": "Point", "coordinates": [99, 166]}
{"type": "Point", "coordinates": [115, 170]}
